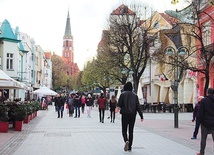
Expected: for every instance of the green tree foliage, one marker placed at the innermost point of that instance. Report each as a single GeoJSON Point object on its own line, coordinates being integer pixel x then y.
{"type": "Point", "coordinates": [58, 72]}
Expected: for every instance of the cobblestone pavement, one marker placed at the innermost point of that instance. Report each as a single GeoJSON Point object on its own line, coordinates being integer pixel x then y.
{"type": "Point", "coordinates": [48, 135]}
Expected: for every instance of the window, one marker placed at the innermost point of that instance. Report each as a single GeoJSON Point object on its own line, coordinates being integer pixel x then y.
{"type": "Point", "coordinates": [9, 61]}
{"type": "Point", "coordinates": [32, 73]}
{"type": "Point", "coordinates": [207, 33]}
{"type": "Point", "coordinates": [37, 61]}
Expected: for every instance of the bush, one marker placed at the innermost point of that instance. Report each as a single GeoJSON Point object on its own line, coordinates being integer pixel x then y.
{"type": "Point", "coordinates": [4, 113]}
{"type": "Point", "coordinates": [18, 112]}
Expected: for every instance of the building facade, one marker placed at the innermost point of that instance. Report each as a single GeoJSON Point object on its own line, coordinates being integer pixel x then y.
{"type": "Point", "coordinates": [23, 61]}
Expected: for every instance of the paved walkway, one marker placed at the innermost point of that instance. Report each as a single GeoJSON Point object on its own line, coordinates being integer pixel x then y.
{"type": "Point", "coordinates": [49, 135]}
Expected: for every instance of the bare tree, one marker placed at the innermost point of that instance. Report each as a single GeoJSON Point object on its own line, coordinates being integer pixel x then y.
{"type": "Point", "coordinates": [195, 36]}
{"type": "Point", "coordinates": [129, 41]}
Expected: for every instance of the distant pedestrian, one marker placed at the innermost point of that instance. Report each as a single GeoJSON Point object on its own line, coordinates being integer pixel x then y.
{"type": "Point", "coordinates": [206, 118]}
{"type": "Point", "coordinates": [70, 103]}
{"type": "Point", "coordinates": [113, 105]}
{"type": "Point", "coordinates": [89, 104]}
{"type": "Point", "coordinates": [101, 101]}
{"type": "Point", "coordinates": [77, 105]}
{"type": "Point", "coordinates": [59, 101]}
{"type": "Point", "coordinates": [129, 106]}
{"type": "Point", "coordinates": [44, 104]}
{"type": "Point", "coordinates": [83, 103]}
{"type": "Point", "coordinates": [196, 118]}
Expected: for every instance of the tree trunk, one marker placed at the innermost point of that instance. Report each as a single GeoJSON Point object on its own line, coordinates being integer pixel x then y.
{"type": "Point", "coordinates": [207, 81]}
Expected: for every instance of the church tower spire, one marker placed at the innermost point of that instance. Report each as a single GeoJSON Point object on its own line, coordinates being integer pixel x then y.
{"type": "Point", "coordinates": [67, 51]}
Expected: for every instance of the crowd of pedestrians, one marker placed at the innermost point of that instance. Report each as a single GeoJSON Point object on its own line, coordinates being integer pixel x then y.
{"type": "Point", "coordinates": [128, 105]}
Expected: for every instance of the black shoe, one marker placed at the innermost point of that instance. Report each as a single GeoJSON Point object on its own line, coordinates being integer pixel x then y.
{"type": "Point", "coordinates": [193, 138]}
{"type": "Point", "coordinates": [75, 117]}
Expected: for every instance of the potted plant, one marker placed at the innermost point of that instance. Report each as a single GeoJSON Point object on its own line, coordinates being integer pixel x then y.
{"type": "Point", "coordinates": [19, 113]}
{"type": "Point", "coordinates": [4, 119]}
{"type": "Point", "coordinates": [36, 107]}
{"type": "Point", "coordinates": [29, 112]}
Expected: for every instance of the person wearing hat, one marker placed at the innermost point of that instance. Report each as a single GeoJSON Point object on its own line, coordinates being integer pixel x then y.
{"type": "Point", "coordinates": [129, 106]}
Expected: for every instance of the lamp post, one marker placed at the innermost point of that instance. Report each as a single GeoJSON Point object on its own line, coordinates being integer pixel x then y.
{"type": "Point", "coordinates": [181, 51]}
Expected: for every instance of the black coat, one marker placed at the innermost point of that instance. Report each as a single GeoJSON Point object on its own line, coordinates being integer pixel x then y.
{"type": "Point", "coordinates": [59, 101]}
{"type": "Point", "coordinates": [77, 102]}
{"type": "Point", "coordinates": [206, 112]}
{"type": "Point", "coordinates": [89, 101]}
{"type": "Point", "coordinates": [113, 105]}
{"type": "Point", "coordinates": [129, 104]}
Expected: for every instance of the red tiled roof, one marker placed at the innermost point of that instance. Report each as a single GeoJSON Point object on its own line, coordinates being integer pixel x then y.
{"type": "Point", "coordinates": [122, 10]}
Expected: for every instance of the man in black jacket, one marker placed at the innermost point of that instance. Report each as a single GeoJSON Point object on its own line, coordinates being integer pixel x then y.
{"type": "Point", "coordinates": [129, 106]}
{"type": "Point", "coordinates": [59, 102]}
{"type": "Point", "coordinates": [206, 118]}
{"type": "Point", "coordinates": [77, 105]}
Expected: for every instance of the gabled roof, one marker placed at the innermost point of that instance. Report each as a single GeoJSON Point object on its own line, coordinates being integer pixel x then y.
{"type": "Point", "coordinates": [169, 19]}
{"type": "Point", "coordinates": [6, 32]}
{"type": "Point", "coordinates": [123, 10]}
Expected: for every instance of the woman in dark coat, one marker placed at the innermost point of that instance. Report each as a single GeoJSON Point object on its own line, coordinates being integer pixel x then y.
{"type": "Point", "coordinates": [113, 105]}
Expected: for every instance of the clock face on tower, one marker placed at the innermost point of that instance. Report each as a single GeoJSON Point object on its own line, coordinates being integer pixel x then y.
{"type": "Point", "coordinates": [70, 48]}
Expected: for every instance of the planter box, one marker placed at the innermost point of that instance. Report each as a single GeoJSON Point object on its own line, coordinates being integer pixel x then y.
{"type": "Point", "coordinates": [27, 119]}
{"type": "Point", "coordinates": [18, 125]}
{"type": "Point", "coordinates": [35, 113]}
{"type": "Point", "coordinates": [4, 126]}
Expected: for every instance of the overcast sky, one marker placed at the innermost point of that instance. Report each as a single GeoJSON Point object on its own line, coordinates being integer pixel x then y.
{"type": "Point", "coordinates": [45, 20]}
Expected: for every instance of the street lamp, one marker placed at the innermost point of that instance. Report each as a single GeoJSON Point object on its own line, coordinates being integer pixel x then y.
{"type": "Point", "coordinates": [181, 51]}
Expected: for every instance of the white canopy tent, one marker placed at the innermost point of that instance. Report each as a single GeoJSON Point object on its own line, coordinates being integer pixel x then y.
{"type": "Point", "coordinates": [44, 91]}
{"type": "Point", "coordinates": [4, 76]}
{"type": "Point", "coordinates": [6, 82]}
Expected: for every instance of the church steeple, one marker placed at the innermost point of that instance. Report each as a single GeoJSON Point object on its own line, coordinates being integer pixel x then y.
{"type": "Point", "coordinates": [67, 51]}
{"type": "Point", "coordinates": [68, 27]}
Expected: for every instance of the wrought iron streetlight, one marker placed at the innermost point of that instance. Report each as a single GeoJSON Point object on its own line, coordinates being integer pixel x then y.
{"type": "Point", "coordinates": [175, 53]}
